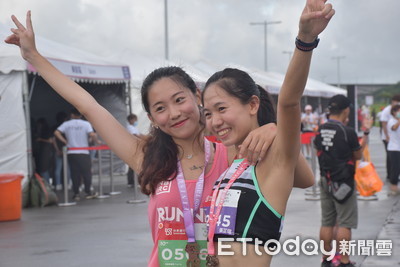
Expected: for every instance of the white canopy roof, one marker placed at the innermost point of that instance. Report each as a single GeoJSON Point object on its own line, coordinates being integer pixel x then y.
{"type": "Point", "coordinates": [314, 87]}
{"type": "Point", "coordinates": [273, 80]}
{"type": "Point", "coordinates": [75, 63]}
{"type": "Point", "coordinates": [141, 66]}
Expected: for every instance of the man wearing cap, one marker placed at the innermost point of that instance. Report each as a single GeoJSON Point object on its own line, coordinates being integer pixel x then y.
{"type": "Point", "coordinates": [338, 149]}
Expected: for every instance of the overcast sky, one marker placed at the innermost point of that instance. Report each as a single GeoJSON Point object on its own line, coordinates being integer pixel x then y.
{"type": "Point", "coordinates": [365, 32]}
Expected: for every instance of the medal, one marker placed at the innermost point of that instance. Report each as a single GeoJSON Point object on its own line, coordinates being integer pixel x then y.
{"type": "Point", "coordinates": [193, 251]}
{"type": "Point", "coordinates": [212, 261]}
{"type": "Point", "coordinates": [192, 248]}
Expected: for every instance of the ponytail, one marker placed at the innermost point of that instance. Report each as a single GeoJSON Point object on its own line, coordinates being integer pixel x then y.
{"type": "Point", "coordinates": [267, 110]}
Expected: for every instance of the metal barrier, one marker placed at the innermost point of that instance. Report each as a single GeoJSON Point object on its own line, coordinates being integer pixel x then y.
{"type": "Point", "coordinates": [101, 195]}
{"type": "Point", "coordinates": [135, 200]}
{"type": "Point", "coordinates": [100, 178]}
{"type": "Point", "coordinates": [112, 192]}
{"type": "Point", "coordinates": [312, 193]}
{"type": "Point", "coordinates": [66, 203]}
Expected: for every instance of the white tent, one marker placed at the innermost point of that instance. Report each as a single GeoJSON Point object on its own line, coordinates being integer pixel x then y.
{"type": "Point", "coordinates": [23, 92]}
{"type": "Point", "coordinates": [314, 88]}
{"type": "Point", "coordinates": [272, 81]}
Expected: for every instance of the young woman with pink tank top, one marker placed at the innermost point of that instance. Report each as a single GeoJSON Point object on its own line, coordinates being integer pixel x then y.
{"type": "Point", "coordinates": [177, 167]}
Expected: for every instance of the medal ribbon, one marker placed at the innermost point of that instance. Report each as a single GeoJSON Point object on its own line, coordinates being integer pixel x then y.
{"type": "Point", "coordinates": [213, 217]}
{"type": "Point", "coordinates": [187, 214]}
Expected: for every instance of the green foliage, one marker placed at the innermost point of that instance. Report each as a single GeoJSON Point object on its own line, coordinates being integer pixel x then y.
{"type": "Point", "coordinates": [384, 94]}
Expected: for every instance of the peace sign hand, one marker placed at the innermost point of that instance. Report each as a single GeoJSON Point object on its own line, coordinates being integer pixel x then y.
{"type": "Point", "coordinates": [314, 19]}
{"type": "Point", "coordinates": [23, 37]}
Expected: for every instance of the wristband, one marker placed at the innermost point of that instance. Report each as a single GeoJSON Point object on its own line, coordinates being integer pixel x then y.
{"type": "Point", "coordinates": [366, 133]}
{"type": "Point", "coordinates": [306, 47]}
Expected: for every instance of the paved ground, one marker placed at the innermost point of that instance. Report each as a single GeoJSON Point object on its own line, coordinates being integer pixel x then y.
{"type": "Point", "coordinates": [110, 232]}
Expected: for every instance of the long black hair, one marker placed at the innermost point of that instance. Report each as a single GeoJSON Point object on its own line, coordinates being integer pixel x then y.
{"type": "Point", "coordinates": [160, 151]}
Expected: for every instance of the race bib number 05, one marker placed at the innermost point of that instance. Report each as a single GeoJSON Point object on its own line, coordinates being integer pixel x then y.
{"type": "Point", "coordinates": [172, 252]}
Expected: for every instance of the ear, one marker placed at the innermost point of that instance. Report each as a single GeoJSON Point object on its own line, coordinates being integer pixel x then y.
{"type": "Point", "coordinates": [198, 96]}
{"type": "Point", "coordinates": [150, 118]}
{"type": "Point", "coordinates": [254, 105]}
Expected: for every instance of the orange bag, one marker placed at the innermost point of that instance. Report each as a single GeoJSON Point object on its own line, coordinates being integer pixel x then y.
{"type": "Point", "coordinates": [367, 179]}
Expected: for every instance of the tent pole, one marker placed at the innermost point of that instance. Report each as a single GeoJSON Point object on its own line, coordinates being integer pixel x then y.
{"type": "Point", "coordinates": [26, 98]}
{"type": "Point", "coordinates": [128, 90]}
{"type": "Point", "coordinates": [32, 86]}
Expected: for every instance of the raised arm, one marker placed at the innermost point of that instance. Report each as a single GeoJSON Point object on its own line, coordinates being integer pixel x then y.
{"type": "Point", "coordinates": [125, 145]}
{"type": "Point", "coordinates": [313, 21]}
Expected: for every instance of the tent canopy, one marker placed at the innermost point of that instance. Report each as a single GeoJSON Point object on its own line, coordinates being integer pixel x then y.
{"type": "Point", "coordinates": [273, 80]}
{"type": "Point", "coordinates": [24, 94]}
{"type": "Point", "coordinates": [75, 63]}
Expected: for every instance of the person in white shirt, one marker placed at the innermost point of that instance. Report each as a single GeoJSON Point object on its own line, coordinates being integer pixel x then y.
{"type": "Point", "coordinates": [393, 148]}
{"type": "Point", "coordinates": [77, 133]}
{"type": "Point", "coordinates": [384, 118]}
{"type": "Point", "coordinates": [132, 124]}
{"type": "Point", "coordinates": [309, 119]}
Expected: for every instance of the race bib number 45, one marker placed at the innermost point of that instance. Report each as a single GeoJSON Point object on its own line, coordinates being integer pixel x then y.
{"type": "Point", "coordinates": [227, 219]}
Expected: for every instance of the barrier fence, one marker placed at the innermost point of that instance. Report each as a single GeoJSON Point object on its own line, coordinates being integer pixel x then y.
{"type": "Point", "coordinates": [312, 193]}
{"type": "Point", "coordinates": [101, 195]}
{"type": "Point", "coordinates": [307, 138]}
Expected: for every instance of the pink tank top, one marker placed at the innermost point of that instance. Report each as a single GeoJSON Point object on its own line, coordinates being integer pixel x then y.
{"type": "Point", "coordinates": [166, 213]}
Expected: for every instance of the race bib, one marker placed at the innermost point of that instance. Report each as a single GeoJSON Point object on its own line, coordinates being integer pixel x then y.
{"type": "Point", "coordinates": [172, 252]}
{"type": "Point", "coordinates": [173, 240]}
{"type": "Point", "coordinates": [227, 219]}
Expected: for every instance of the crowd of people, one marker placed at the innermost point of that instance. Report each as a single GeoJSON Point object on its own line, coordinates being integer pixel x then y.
{"type": "Point", "coordinates": [237, 187]}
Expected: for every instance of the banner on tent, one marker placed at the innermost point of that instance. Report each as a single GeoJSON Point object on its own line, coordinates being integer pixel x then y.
{"type": "Point", "coordinates": [89, 71]}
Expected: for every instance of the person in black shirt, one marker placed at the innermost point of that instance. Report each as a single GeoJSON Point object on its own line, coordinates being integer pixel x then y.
{"type": "Point", "coordinates": [338, 149]}
{"type": "Point", "coordinates": [45, 151]}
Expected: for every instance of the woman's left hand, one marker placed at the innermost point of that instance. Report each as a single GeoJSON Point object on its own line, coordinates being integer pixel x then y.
{"type": "Point", "coordinates": [257, 142]}
{"type": "Point", "coordinates": [23, 37]}
{"type": "Point", "coordinates": [314, 19]}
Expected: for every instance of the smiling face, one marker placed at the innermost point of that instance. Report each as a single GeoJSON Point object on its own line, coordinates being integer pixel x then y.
{"type": "Point", "coordinates": [174, 109]}
{"type": "Point", "coordinates": [226, 117]}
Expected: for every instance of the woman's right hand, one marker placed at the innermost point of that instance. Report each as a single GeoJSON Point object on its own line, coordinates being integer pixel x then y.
{"type": "Point", "coordinates": [257, 142]}
{"type": "Point", "coordinates": [23, 37]}
{"type": "Point", "coordinates": [314, 19]}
